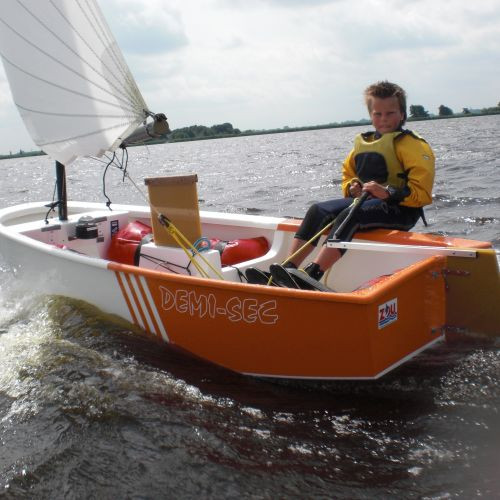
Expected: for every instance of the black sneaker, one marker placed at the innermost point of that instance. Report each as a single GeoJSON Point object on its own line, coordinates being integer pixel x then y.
{"type": "Point", "coordinates": [307, 282]}
{"type": "Point", "coordinates": [282, 277]}
{"type": "Point", "coordinates": [257, 277]}
{"type": "Point", "coordinates": [314, 271]}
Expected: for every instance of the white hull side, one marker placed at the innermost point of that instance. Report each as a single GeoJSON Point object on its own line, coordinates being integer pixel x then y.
{"type": "Point", "coordinates": [54, 271]}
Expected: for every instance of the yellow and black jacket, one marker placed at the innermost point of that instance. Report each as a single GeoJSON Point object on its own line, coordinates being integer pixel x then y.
{"type": "Point", "coordinates": [400, 160]}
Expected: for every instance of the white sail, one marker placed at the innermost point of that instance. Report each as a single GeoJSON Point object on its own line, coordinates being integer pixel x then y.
{"type": "Point", "coordinates": [68, 77]}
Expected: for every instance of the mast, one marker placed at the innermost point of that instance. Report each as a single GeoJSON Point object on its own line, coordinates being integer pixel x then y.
{"type": "Point", "coordinates": [62, 201]}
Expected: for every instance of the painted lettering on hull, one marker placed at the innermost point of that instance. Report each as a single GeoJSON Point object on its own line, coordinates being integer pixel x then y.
{"type": "Point", "coordinates": [234, 309]}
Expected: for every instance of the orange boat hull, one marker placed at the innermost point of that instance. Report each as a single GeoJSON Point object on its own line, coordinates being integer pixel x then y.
{"type": "Point", "coordinates": [275, 332]}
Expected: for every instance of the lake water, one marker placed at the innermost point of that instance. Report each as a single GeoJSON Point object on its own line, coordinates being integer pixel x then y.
{"type": "Point", "coordinates": [87, 410]}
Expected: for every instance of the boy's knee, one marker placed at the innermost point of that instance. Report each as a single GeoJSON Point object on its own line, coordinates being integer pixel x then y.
{"type": "Point", "coordinates": [313, 210]}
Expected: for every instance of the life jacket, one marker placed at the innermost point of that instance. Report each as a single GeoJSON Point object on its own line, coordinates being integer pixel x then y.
{"type": "Point", "coordinates": [376, 160]}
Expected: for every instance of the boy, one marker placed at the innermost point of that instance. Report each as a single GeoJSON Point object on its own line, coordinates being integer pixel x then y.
{"type": "Point", "coordinates": [394, 166]}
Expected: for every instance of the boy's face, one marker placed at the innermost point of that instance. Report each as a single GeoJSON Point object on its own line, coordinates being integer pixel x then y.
{"type": "Point", "coordinates": [385, 114]}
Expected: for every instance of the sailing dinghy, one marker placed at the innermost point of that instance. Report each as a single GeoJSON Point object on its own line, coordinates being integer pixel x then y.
{"type": "Point", "coordinates": [163, 267]}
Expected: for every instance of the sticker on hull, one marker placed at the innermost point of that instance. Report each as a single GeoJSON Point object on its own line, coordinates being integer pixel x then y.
{"type": "Point", "coordinates": [387, 313]}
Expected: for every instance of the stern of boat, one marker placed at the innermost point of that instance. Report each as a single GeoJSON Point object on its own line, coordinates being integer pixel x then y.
{"type": "Point", "coordinates": [473, 294]}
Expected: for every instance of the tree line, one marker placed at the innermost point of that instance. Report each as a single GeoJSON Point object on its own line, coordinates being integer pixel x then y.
{"type": "Point", "coordinates": [418, 111]}
{"type": "Point", "coordinates": [201, 132]}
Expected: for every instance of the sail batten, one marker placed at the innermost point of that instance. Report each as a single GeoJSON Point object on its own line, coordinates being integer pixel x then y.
{"type": "Point", "coordinates": [72, 115]}
{"type": "Point", "coordinates": [83, 136]}
{"type": "Point", "coordinates": [69, 80]}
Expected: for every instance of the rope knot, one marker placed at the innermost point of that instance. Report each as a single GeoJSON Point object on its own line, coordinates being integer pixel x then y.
{"type": "Point", "coordinates": [164, 221]}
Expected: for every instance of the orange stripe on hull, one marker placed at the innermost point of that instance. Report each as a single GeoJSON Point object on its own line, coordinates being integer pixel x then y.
{"type": "Point", "coordinates": [125, 294]}
{"type": "Point", "coordinates": [155, 317]}
{"type": "Point", "coordinates": [131, 281]}
{"type": "Point", "coordinates": [141, 307]}
{"type": "Point", "coordinates": [146, 303]}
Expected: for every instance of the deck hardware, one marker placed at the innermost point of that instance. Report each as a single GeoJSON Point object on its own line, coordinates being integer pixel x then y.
{"type": "Point", "coordinates": [456, 272]}
{"type": "Point", "coordinates": [453, 272]}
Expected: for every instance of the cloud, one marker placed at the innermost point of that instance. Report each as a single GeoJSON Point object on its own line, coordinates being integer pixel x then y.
{"type": "Point", "coordinates": [145, 27]}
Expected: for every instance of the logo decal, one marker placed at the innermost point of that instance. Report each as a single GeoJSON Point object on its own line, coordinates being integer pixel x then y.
{"type": "Point", "coordinates": [114, 227]}
{"type": "Point", "coordinates": [387, 313]}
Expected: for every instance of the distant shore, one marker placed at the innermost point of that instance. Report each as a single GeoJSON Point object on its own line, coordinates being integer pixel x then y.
{"type": "Point", "coordinates": [226, 131]}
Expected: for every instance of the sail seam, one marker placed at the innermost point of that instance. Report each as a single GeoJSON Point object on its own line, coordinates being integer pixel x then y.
{"type": "Point", "coordinates": [74, 115]}
{"type": "Point", "coordinates": [81, 136]}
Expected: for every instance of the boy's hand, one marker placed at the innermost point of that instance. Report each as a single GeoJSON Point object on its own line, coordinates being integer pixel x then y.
{"type": "Point", "coordinates": [376, 190]}
{"type": "Point", "coordinates": [355, 189]}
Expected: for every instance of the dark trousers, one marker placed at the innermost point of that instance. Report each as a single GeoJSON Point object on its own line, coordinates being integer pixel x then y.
{"type": "Point", "coordinates": [374, 213]}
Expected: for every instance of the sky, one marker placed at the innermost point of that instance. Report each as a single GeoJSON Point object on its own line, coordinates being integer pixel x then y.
{"type": "Point", "coordinates": [263, 64]}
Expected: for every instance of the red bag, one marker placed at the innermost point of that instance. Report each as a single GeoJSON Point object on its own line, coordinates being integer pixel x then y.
{"type": "Point", "coordinates": [236, 251]}
{"type": "Point", "coordinates": [125, 244]}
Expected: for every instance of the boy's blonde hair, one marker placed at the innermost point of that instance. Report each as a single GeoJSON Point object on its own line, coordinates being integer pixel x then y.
{"type": "Point", "coordinates": [383, 90]}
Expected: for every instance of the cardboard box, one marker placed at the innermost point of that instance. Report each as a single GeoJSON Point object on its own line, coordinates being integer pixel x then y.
{"type": "Point", "coordinates": [177, 199]}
